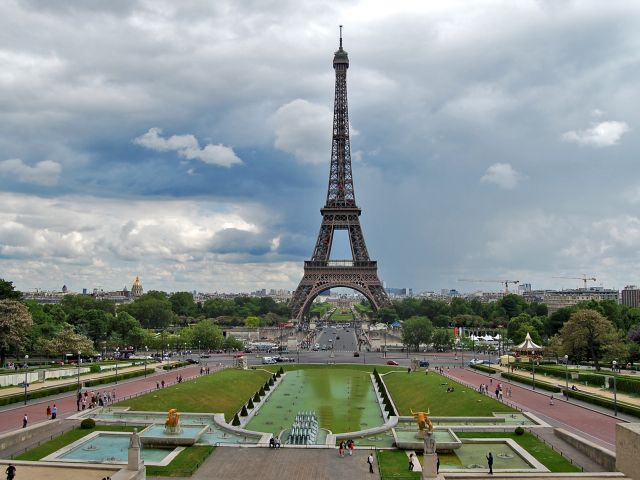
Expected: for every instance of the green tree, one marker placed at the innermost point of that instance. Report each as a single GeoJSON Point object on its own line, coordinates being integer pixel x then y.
{"type": "Point", "coordinates": [15, 325]}
{"type": "Point", "coordinates": [442, 338]}
{"type": "Point", "coordinates": [8, 291]}
{"type": "Point", "coordinates": [232, 342]}
{"type": "Point", "coordinates": [124, 329]}
{"type": "Point", "coordinates": [588, 335]}
{"type": "Point", "coordinates": [205, 332]}
{"type": "Point", "coordinates": [416, 331]}
{"type": "Point", "coordinates": [182, 304]}
{"type": "Point", "coordinates": [387, 314]}
{"type": "Point", "coordinates": [152, 310]}
{"type": "Point", "coordinates": [253, 321]}
{"type": "Point", "coordinates": [68, 341]}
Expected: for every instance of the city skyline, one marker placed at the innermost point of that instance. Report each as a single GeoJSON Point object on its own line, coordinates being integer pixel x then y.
{"type": "Point", "coordinates": [190, 144]}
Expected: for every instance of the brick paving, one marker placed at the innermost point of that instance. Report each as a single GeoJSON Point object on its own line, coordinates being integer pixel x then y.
{"type": "Point", "coordinates": [228, 463]}
{"type": "Point", "coordinates": [11, 416]}
{"type": "Point", "coordinates": [598, 427]}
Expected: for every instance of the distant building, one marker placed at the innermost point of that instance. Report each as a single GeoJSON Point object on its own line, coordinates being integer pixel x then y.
{"type": "Point", "coordinates": [136, 288]}
{"type": "Point", "coordinates": [557, 299]}
{"type": "Point", "coordinates": [398, 292]}
{"type": "Point", "coordinates": [524, 288]}
{"type": "Point", "coordinates": [631, 296]}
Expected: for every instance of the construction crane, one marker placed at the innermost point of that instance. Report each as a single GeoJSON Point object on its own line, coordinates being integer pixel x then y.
{"type": "Point", "coordinates": [504, 282]}
{"type": "Point", "coordinates": [584, 279]}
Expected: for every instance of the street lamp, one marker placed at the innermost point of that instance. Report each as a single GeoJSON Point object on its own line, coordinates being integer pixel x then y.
{"type": "Point", "coordinates": [117, 357]}
{"type": "Point", "coordinates": [146, 355]}
{"type": "Point", "coordinates": [615, 390]}
{"type": "Point", "coordinates": [26, 370]}
{"type": "Point", "coordinates": [79, 352]}
{"type": "Point", "coordinates": [534, 373]}
{"type": "Point", "coordinates": [566, 376]}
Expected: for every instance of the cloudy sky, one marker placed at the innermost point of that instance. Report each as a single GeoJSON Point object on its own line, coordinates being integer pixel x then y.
{"type": "Point", "coordinates": [189, 142]}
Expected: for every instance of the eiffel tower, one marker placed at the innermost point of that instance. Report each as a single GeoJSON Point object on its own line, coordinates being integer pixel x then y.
{"type": "Point", "coordinates": [339, 213]}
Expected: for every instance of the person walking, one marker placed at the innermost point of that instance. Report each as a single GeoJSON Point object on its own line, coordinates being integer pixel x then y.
{"type": "Point", "coordinates": [341, 449]}
{"type": "Point", "coordinates": [550, 399]}
{"type": "Point", "coordinates": [370, 462]}
{"type": "Point", "coordinates": [350, 446]}
{"type": "Point", "coordinates": [54, 412]}
{"type": "Point", "coordinates": [490, 463]}
{"type": "Point", "coordinates": [25, 421]}
{"type": "Point", "coordinates": [411, 462]}
{"type": "Point", "coordinates": [48, 412]}
{"type": "Point", "coordinates": [11, 472]}
{"type": "Point", "coordinates": [437, 464]}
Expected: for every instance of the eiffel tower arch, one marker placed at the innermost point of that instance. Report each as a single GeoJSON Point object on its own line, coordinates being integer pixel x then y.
{"type": "Point", "coordinates": [340, 212]}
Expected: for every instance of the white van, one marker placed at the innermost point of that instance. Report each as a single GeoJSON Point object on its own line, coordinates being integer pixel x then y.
{"type": "Point", "coordinates": [268, 360]}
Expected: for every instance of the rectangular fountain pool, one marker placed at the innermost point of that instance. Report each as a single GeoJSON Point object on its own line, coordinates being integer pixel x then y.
{"type": "Point", "coordinates": [109, 447]}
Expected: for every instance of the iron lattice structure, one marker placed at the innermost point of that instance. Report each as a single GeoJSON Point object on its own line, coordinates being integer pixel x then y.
{"type": "Point", "coordinates": [339, 213]}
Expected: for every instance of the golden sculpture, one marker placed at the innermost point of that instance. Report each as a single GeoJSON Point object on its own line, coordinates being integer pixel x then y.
{"type": "Point", "coordinates": [423, 420]}
{"type": "Point", "coordinates": [173, 419]}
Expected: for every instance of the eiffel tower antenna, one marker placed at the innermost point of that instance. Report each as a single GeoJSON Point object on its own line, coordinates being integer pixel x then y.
{"type": "Point", "coordinates": [340, 212]}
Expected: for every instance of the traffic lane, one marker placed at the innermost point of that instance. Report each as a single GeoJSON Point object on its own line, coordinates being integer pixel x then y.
{"type": "Point", "coordinates": [602, 428]}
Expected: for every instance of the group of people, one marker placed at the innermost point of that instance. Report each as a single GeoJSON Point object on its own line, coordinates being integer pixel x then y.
{"type": "Point", "coordinates": [274, 442]}
{"type": "Point", "coordinates": [95, 399]}
{"type": "Point", "coordinates": [499, 391]}
{"type": "Point", "coordinates": [52, 413]}
{"type": "Point", "coordinates": [349, 446]}
{"type": "Point", "coordinates": [204, 370]}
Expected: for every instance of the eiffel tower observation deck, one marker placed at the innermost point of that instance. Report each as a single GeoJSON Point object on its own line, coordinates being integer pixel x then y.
{"type": "Point", "coordinates": [340, 212]}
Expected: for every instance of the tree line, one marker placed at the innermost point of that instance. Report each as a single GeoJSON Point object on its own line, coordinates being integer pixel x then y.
{"type": "Point", "coordinates": [154, 320]}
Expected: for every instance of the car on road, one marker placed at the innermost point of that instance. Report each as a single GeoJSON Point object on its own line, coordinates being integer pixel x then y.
{"type": "Point", "coordinates": [192, 361]}
{"type": "Point", "coordinates": [356, 354]}
{"type": "Point", "coordinates": [324, 347]}
{"type": "Point", "coordinates": [424, 363]}
{"type": "Point", "coordinates": [338, 337]}
{"type": "Point", "coordinates": [392, 362]}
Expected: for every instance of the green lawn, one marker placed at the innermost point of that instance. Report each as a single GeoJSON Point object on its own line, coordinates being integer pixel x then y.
{"type": "Point", "coordinates": [68, 438]}
{"type": "Point", "coordinates": [544, 454]}
{"type": "Point", "coordinates": [342, 315]}
{"type": "Point", "coordinates": [184, 465]}
{"type": "Point", "coordinates": [421, 392]}
{"type": "Point", "coordinates": [394, 465]}
{"type": "Point", "coordinates": [222, 392]}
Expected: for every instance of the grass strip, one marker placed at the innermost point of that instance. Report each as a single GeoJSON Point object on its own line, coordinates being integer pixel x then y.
{"type": "Point", "coordinates": [222, 392]}
{"type": "Point", "coordinates": [394, 465]}
{"type": "Point", "coordinates": [420, 392]}
{"type": "Point", "coordinates": [185, 464]}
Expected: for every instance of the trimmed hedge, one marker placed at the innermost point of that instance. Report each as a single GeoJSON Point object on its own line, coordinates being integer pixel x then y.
{"type": "Point", "coordinates": [87, 424]}
{"type": "Point", "coordinates": [483, 368]}
{"type": "Point", "coordinates": [236, 421]}
{"type": "Point", "coordinates": [70, 387]}
{"type": "Point", "coordinates": [528, 381]}
{"type": "Point", "coordinates": [604, 402]}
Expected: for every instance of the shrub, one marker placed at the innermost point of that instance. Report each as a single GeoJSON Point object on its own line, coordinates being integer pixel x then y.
{"type": "Point", "coordinates": [519, 431]}
{"type": "Point", "coordinates": [529, 381]}
{"type": "Point", "coordinates": [94, 368]}
{"type": "Point", "coordinates": [243, 412]}
{"type": "Point", "coordinates": [256, 397]}
{"type": "Point", "coordinates": [236, 421]}
{"type": "Point", "coordinates": [266, 387]}
{"type": "Point", "coordinates": [250, 404]}
{"type": "Point", "coordinates": [88, 424]}
{"type": "Point", "coordinates": [281, 371]}
{"type": "Point", "coordinates": [271, 382]}
{"type": "Point", "coordinates": [261, 393]}
{"type": "Point", "coordinates": [483, 368]}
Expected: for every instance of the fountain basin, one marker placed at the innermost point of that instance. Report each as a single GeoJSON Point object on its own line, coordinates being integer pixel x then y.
{"type": "Point", "coordinates": [445, 439]}
{"type": "Point", "coordinates": [158, 436]}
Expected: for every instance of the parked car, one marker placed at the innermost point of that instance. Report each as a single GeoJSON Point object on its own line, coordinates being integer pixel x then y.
{"type": "Point", "coordinates": [356, 354]}
{"type": "Point", "coordinates": [192, 361]}
{"type": "Point", "coordinates": [424, 363]}
{"type": "Point", "coordinates": [392, 362]}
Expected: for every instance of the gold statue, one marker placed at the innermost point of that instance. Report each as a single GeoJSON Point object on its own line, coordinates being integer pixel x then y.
{"type": "Point", "coordinates": [423, 420]}
{"type": "Point", "coordinates": [173, 419]}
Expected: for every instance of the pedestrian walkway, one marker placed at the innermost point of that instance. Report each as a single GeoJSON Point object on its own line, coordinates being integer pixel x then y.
{"type": "Point", "coordinates": [558, 382]}
{"type": "Point", "coordinates": [8, 391]}
{"type": "Point", "coordinates": [597, 427]}
{"type": "Point", "coordinates": [11, 416]}
{"type": "Point", "coordinates": [227, 463]}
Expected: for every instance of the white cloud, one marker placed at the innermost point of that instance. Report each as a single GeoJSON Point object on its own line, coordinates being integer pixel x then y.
{"type": "Point", "coordinates": [503, 175]}
{"type": "Point", "coordinates": [44, 173]}
{"type": "Point", "coordinates": [303, 129]}
{"type": "Point", "coordinates": [603, 134]}
{"type": "Point", "coordinates": [188, 147]}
